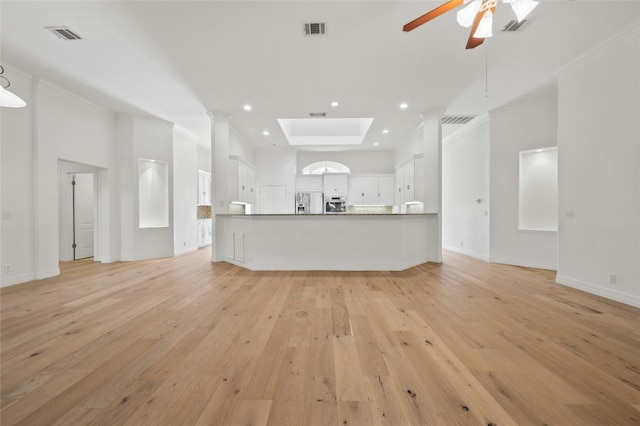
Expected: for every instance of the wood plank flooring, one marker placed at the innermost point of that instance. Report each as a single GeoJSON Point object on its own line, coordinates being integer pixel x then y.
{"type": "Point", "coordinates": [183, 341]}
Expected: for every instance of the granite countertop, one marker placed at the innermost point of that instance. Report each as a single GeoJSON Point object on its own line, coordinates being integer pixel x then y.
{"type": "Point", "coordinates": [325, 214]}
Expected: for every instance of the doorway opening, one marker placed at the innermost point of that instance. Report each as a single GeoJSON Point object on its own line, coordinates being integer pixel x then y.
{"type": "Point", "coordinates": [77, 211]}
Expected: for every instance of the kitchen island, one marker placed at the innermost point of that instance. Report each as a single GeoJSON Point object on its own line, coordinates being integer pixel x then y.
{"type": "Point", "coordinates": [347, 242]}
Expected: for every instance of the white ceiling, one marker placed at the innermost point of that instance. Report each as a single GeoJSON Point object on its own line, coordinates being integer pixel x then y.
{"type": "Point", "coordinates": [176, 60]}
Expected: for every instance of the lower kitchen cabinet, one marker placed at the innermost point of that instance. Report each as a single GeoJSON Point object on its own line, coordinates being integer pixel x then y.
{"type": "Point", "coordinates": [205, 232]}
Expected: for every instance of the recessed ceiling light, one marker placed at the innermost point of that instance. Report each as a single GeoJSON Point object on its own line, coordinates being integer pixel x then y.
{"type": "Point", "coordinates": [385, 131]}
{"type": "Point", "coordinates": [266, 133]}
{"type": "Point", "coordinates": [404, 106]}
{"type": "Point", "coordinates": [376, 144]}
{"type": "Point", "coordinates": [334, 104]}
{"type": "Point", "coordinates": [247, 108]}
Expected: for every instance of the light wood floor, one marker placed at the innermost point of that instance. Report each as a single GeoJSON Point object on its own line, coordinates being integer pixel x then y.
{"type": "Point", "coordinates": [182, 341]}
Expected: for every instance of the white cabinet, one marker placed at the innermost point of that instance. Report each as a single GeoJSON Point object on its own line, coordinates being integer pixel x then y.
{"type": "Point", "coordinates": [241, 182]}
{"type": "Point", "coordinates": [371, 190]}
{"type": "Point", "coordinates": [385, 190]}
{"type": "Point", "coordinates": [205, 229]}
{"type": "Point", "coordinates": [204, 188]}
{"type": "Point", "coordinates": [335, 184]}
{"type": "Point", "coordinates": [309, 183]}
{"type": "Point", "coordinates": [405, 183]}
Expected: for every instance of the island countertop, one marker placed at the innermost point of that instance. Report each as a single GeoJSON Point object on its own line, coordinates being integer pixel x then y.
{"type": "Point", "coordinates": [336, 241]}
{"type": "Point", "coordinates": [321, 215]}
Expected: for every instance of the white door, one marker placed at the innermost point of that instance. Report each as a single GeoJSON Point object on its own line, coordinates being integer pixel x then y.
{"type": "Point", "coordinates": [83, 215]}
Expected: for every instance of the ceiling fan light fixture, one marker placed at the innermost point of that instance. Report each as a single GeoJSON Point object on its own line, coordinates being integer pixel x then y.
{"type": "Point", "coordinates": [485, 27]}
{"type": "Point", "coordinates": [522, 8]}
{"type": "Point", "coordinates": [10, 100]}
{"type": "Point", "coordinates": [466, 16]}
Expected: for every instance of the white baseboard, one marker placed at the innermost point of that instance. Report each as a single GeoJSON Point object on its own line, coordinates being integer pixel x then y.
{"type": "Point", "coordinates": [147, 256]}
{"type": "Point", "coordinates": [465, 252]}
{"type": "Point", "coordinates": [329, 266]}
{"type": "Point", "coordinates": [525, 263]}
{"type": "Point", "coordinates": [184, 250]}
{"type": "Point", "coordinates": [18, 279]}
{"type": "Point", "coordinates": [47, 274]}
{"type": "Point", "coordinates": [628, 299]}
{"type": "Point", "coordinates": [31, 276]}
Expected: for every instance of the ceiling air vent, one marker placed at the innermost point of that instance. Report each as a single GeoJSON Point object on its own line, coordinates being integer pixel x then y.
{"type": "Point", "coordinates": [64, 33]}
{"type": "Point", "coordinates": [315, 28]}
{"type": "Point", "coordinates": [318, 114]}
{"type": "Point", "coordinates": [513, 26]}
{"type": "Point", "coordinates": [457, 119]}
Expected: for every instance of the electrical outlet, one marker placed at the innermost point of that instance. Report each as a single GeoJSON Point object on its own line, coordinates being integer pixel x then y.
{"type": "Point", "coordinates": [568, 214]}
{"type": "Point", "coordinates": [613, 278]}
{"type": "Point", "coordinates": [6, 215]}
{"type": "Point", "coordinates": [461, 243]}
{"type": "Point", "coordinates": [7, 267]}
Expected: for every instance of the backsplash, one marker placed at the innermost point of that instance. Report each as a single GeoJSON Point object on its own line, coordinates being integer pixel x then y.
{"type": "Point", "coordinates": [370, 209]}
{"type": "Point", "coordinates": [204, 212]}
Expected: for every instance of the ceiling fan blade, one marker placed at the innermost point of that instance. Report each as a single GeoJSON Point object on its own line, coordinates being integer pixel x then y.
{"type": "Point", "coordinates": [451, 4]}
{"type": "Point", "coordinates": [487, 5]}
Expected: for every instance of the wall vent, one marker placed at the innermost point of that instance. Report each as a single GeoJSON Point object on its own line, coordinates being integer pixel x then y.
{"type": "Point", "coordinates": [513, 26]}
{"type": "Point", "coordinates": [318, 114]}
{"type": "Point", "coordinates": [64, 33]}
{"type": "Point", "coordinates": [457, 119]}
{"type": "Point", "coordinates": [315, 28]}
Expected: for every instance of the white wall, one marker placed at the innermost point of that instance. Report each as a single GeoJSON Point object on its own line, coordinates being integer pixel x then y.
{"type": "Point", "coordinates": [465, 179]}
{"type": "Point", "coordinates": [185, 190]}
{"type": "Point", "coordinates": [599, 170]}
{"type": "Point", "coordinates": [239, 147]}
{"type": "Point", "coordinates": [16, 183]}
{"type": "Point", "coordinates": [514, 128]}
{"type": "Point", "coordinates": [409, 148]}
{"type": "Point", "coordinates": [151, 139]}
{"type": "Point", "coordinates": [204, 158]}
{"type": "Point", "coordinates": [360, 162]}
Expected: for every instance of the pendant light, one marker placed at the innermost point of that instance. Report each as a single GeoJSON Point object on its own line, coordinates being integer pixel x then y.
{"type": "Point", "coordinates": [7, 98]}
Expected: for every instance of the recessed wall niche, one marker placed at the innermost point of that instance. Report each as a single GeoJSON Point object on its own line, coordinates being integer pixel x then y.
{"type": "Point", "coordinates": [153, 193]}
{"type": "Point", "coordinates": [538, 198]}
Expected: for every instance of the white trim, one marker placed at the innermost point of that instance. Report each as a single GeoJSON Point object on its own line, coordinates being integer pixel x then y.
{"type": "Point", "coordinates": [148, 256]}
{"type": "Point", "coordinates": [526, 103]}
{"type": "Point", "coordinates": [598, 50]}
{"type": "Point", "coordinates": [18, 279]}
{"type": "Point", "coordinates": [47, 274]}
{"type": "Point", "coordinates": [330, 266]}
{"type": "Point", "coordinates": [75, 98]}
{"type": "Point", "coordinates": [608, 293]}
{"type": "Point", "coordinates": [185, 132]}
{"type": "Point", "coordinates": [523, 262]}
{"type": "Point", "coordinates": [186, 250]}
{"type": "Point", "coordinates": [466, 252]}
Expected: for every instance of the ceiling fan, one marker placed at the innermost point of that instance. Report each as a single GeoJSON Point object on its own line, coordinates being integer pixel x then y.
{"type": "Point", "coordinates": [478, 15]}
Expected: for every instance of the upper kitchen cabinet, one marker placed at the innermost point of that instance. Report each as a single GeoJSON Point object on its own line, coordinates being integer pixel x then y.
{"type": "Point", "coordinates": [371, 190]}
{"type": "Point", "coordinates": [309, 183]}
{"type": "Point", "coordinates": [241, 181]}
{"type": "Point", "coordinates": [204, 188]}
{"type": "Point", "coordinates": [409, 182]}
{"type": "Point", "coordinates": [336, 184]}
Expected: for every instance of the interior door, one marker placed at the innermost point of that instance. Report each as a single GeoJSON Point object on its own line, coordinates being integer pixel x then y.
{"type": "Point", "coordinates": [83, 215]}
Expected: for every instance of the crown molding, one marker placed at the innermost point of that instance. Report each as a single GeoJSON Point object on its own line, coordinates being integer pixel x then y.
{"type": "Point", "coordinates": [626, 33]}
